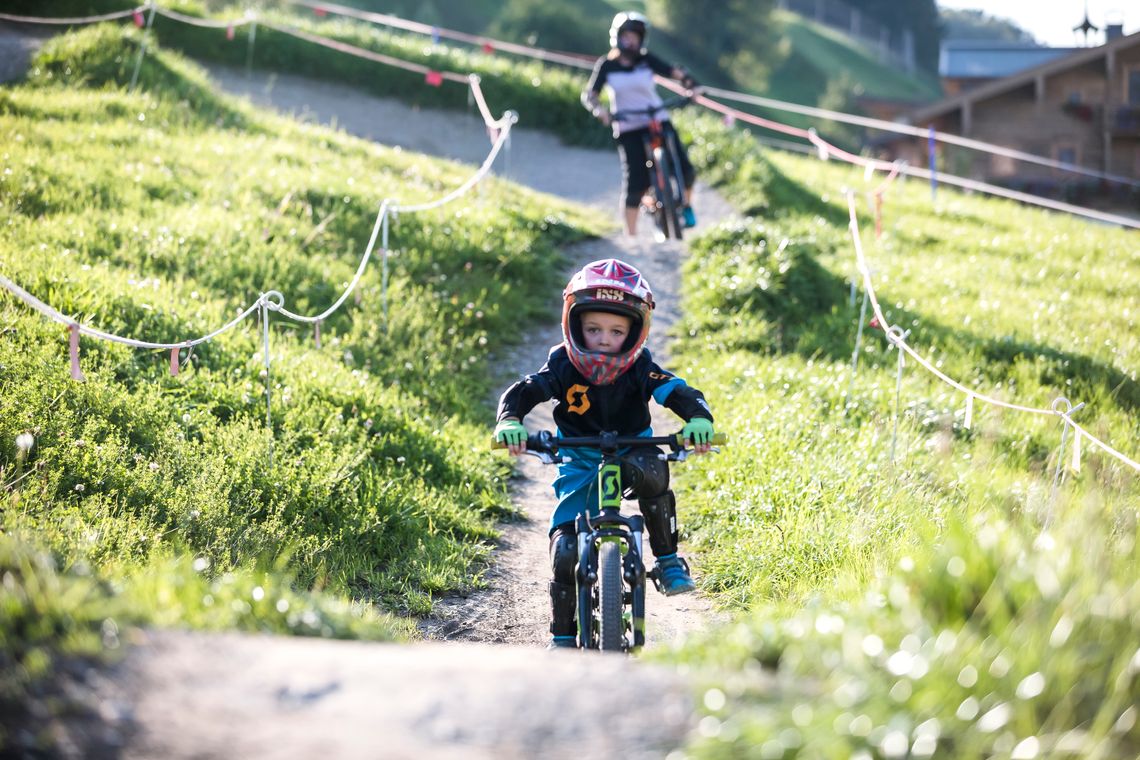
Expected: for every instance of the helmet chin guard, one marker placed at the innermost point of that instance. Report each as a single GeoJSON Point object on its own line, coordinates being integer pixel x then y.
{"type": "Point", "coordinates": [613, 286]}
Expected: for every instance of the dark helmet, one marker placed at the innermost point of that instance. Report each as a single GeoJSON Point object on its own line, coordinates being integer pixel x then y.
{"type": "Point", "coordinates": [616, 287]}
{"type": "Point", "coordinates": [629, 21]}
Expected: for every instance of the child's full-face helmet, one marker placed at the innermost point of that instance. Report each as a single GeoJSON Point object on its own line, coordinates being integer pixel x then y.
{"type": "Point", "coordinates": [612, 286]}
{"type": "Point", "coordinates": [629, 21]}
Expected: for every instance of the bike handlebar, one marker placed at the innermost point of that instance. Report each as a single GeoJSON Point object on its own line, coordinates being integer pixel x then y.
{"type": "Point", "coordinates": [547, 442]}
{"type": "Point", "coordinates": [668, 104]}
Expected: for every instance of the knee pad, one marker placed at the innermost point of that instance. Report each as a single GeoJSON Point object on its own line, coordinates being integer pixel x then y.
{"type": "Point", "coordinates": [644, 474]}
{"type": "Point", "coordinates": [564, 554]}
{"type": "Point", "coordinates": [660, 522]}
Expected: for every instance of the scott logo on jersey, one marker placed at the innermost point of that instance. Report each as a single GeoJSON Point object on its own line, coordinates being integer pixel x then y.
{"type": "Point", "coordinates": [576, 399]}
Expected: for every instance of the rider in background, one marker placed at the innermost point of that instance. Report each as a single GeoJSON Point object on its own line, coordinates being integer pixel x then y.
{"type": "Point", "coordinates": [627, 70]}
{"type": "Point", "coordinates": [601, 378]}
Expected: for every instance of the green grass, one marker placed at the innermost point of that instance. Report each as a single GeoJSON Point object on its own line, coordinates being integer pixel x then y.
{"type": "Point", "coordinates": [546, 96]}
{"type": "Point", "coordinates": [815, 65]}
{"type": "Point", "coordinates": [823, 68]}
{"type": "Point", "coordinates": [158, 216]}
{"type": "Point", "coordinates": [957, 554]}
{"type": "Point", "coordinates": [1012, 609]}
{"type": "Point", "coordinates": [816, 53]}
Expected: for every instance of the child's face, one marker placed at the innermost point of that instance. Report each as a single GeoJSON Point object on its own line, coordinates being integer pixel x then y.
{"type": "Point", "coordinates": [605, 332]}
{"type": "Point", "coordinates": [629, 40]}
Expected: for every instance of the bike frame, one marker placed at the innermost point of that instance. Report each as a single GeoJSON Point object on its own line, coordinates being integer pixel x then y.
{"type": "Point", "coordinates": [666, 179]}
{"type": "Point", "coordinates": [664, 167]}
{"type": "Point", "coordinates": [628, 532]}
{"type": "Point", "coordinates": [609, 526]}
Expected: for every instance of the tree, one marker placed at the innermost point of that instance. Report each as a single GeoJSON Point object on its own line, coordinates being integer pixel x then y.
{"type": "Point", "coordinates": [551, 25]}
{"type": "Point", "coordinates": [735, 36]}
{"type": "Point", "coordinates": [919, 16]}
{"type": "Point", "coordinates": [973, 24]}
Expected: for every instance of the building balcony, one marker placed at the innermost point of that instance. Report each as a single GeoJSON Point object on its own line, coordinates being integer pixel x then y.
{"type": "Point", "coordinates": [1085, 112]}
{"type": "Point", "coordinates": [1124, 121]}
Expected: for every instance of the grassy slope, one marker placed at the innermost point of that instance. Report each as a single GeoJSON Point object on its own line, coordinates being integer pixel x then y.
{"type": "Point", "coordinates": [158, 215]}
{"type": "Point", "coordinates": [948, 600]}
{"type": "Point", "coordinates": [856, 568]}
{"type": "Point", "coordinates": [817, 54]}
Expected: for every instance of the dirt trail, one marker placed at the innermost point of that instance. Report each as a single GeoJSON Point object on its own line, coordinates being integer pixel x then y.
{"type": "Point", "coordinates": [192, 695]}
{"type": "Point", "coordinates": [515, 608]}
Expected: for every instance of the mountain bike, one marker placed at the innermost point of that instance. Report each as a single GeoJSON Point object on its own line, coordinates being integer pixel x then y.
{"type": "Point", "coordinates": [611, 572]}
{"type": "Point", "coordinates": [665, 177]}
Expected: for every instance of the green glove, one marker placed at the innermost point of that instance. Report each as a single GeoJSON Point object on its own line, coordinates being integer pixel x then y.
{"type": "Point", "coordinates": [698, 431]}
{"type": "Point", "coordinates": [510, 432]}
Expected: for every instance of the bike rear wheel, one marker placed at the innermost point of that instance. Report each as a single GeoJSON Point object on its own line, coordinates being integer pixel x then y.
{"type": "Point", "coordinates": [610, 591]}
{"type": "Point", "coordinates": [669, 195]}
{"type": "Point", "coordinates": [658, 185]}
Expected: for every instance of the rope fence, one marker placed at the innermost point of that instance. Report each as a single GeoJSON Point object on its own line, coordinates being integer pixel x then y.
{"type": "Point", "coordinates": [896, 336]}
{"type": "Point", "coordinates": [72, 20]}
{"type": "Point", "coordinates": [499, 130]}
{"type": "Point", "coordinates": [273, 301]}
{"type": "Point", "coordinates": [581, 61]}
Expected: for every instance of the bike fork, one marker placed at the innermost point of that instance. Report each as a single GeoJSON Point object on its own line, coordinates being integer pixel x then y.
{"type": "Point", "coordinates": [635, 579]}
{"type": "Point", "coordinates": [587, 575]}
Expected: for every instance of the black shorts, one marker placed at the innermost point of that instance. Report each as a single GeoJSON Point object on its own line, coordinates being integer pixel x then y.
{"type": "Point", "coordinates": [635, 174]}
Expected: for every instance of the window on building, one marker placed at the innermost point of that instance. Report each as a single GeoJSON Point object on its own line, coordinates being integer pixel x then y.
{"type": "Point", "coordinates": [1074, 98]}
{"type": "Point", "coordinates": [1002, 166]}
{"type": "Point", "coordinates": [1132, 86]}
{"type": "Point", "coordinates": [1066, 153]}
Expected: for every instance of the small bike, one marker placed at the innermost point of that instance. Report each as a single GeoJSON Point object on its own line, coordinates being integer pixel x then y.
{"type": "Point", "coordinates": [611, 574]}
{"type": "Point", "coordinates": [666, 180]}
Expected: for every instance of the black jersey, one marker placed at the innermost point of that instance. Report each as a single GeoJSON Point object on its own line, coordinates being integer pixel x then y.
{"type": "Point", "coordinates": [631, 87]}
{"type": "Point", "coordinates": [582, 409]}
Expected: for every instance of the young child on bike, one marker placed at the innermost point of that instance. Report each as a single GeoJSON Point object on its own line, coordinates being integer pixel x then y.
{"type": "Point", "coordinates": [627, 71]}
{"type": "Point", "coordinates": [601, 378]}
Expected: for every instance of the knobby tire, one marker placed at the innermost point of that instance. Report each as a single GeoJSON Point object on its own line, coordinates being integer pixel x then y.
{"type": "Point", "coordinates": [670, 206]}
{"type": "Point", "coordinates": [610, 590]}
{"type": "Point", "coordinates": [660, 192]}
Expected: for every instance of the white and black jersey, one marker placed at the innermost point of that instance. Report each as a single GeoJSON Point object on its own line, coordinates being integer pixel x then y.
{"type": "Point", "coordinates": [631, 88]}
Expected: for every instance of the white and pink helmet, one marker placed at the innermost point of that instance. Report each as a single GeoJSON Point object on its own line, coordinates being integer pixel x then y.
{"type": "Point", "coordinates": [616, 287]}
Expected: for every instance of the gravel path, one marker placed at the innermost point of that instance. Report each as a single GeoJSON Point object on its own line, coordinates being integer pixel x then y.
{"type": "Point", "coordinates": [192, 695]}
{"type": "Point", "coordinates": [515, 608]}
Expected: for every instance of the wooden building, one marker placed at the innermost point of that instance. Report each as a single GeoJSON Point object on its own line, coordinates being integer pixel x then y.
{"type": "Point", "coordinates": [965, 64]}
{"type": "Point", "coordinates": [1081, 108]}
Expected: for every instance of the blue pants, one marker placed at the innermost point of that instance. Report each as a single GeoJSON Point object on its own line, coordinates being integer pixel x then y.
{"type": "Point", "coordinates": [577, 485]}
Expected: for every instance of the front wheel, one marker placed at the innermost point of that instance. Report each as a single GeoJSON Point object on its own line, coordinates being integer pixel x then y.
{"type": "Point", "coordinates": [610, 590]}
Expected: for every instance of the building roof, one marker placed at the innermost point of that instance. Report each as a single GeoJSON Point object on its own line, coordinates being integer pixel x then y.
{"type": "Point", "coordinates": [986, 59]}
{"type": "Point", "coordinates": [1075, 59]}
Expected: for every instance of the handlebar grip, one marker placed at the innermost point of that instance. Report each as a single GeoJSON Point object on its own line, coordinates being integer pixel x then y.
{"type": "Point", "coordinates": [718, 439]}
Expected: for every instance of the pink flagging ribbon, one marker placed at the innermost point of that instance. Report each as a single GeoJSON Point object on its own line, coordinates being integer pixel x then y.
{"type": "Point", "coordinates": [140, 22]}
{"type": "Point", "coordinates": [73, 341]}
{"type": "Point", "coordinates": [434, 78]}
{"type": "Point", "coordinates": [230, 32]}
{"type": "Point", "coordinates": [878, 215]}
{"type": "Point", "coordinates": [175, 362]}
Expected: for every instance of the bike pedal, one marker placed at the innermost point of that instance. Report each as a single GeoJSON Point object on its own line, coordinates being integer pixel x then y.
{"type": "Point", "coordinates": [655, 576]}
